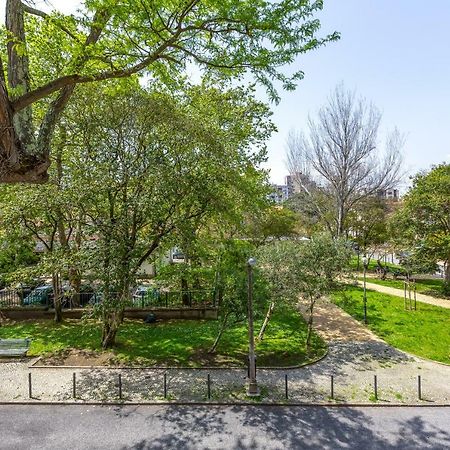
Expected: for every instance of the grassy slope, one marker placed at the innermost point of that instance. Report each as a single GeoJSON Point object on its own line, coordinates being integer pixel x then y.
{"type": "Point", "coordinates": [177, 342]}
{"type": "Point", "coordinates": [425, 332]}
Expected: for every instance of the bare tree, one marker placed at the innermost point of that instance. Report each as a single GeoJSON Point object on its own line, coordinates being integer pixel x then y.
{"type": "Point", "coordinates": [339, 163]}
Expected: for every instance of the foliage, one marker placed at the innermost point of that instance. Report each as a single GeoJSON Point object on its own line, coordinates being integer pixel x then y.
{"type": "Point", "coordinates": [303, 270]}
{"type": "Point", "coordinates": [177, 342]}
{"type": "Point", "coordinates": [423, 332]}
{"type": "Point", "coordinates": [422, 225]}
{"type": "Point", "coordinates": [49, 54]}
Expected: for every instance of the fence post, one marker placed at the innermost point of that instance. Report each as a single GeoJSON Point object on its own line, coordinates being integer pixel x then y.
{"type": "Point", "coordinates": [120, 386]}
{"type": "Point", "coordinates": [286, 386]}
{"type": "Point", "coordinates": [419, 387]}
{"type": "Point", "coordinates": [165, 385]}
{"type": "Point", "coordinates": [332, 386]}
{"type": "Point", "coordinates": [30, 392]}
{"type": "Point", "coordinates": [74, 387]}
{"type": "Point", "coordinates": [209, 386]}
{"type": "Point", "coordinates": [415, 296]}
{"type": "Point", "coordinates": [375, 386]}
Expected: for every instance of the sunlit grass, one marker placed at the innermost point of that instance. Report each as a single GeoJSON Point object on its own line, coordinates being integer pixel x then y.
{"type": "Point", "coordinates": [425, 332]}
{"type": "Point", "coordinates": [175, 342]}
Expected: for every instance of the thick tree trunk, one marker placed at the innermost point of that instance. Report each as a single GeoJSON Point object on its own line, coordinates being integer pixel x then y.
{"type": "Point", "coordinates": [266, 321]}
{"type": "Point", "coordinates": [111, 325]}
{"type": "Point", "coordinates": [184, 292]}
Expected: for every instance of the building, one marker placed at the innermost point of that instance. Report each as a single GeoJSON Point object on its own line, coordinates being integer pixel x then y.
{"type": "Point", "coordinates": [389, 194]}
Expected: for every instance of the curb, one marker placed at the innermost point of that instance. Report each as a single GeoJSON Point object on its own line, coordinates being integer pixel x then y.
{"type": "Point", "coordinates": [284, 405]}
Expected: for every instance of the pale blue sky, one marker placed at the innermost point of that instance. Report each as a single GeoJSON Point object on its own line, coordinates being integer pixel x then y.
{"type": "Point", "coordinates": [395, 53]}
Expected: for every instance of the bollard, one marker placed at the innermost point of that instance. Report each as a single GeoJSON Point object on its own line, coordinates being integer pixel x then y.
{"type": "Point", "coordinates": [375, 387]}
{"type": "Point", "coordinates": [30, 392]}
{"type": "Point", "coordinates": [332, 386]}
{"type": "Point", "coordinates": [419, 387]}
{"type": "Point", "coordinates": [74, 387]}
{"type": "Point", "coordinates": [120, 386]}
{"type": "Point", "coordinates": [286, 386]}
{"type": "Point", "coordinates": [209, 386]}
{"type": "Point", "coordinates": [165, 385]}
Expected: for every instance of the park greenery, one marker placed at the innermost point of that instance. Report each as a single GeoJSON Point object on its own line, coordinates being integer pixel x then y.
{"type": "Point", "coordinates": [423, 332]}
{"type": "Point", "coordinates": [47, 55]}
{"type": "Point", "coordinates": [125, 159]}
{"type": "Point", "coordinates": [175, 342]}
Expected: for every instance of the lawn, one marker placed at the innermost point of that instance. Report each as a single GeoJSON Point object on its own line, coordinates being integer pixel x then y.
{"type": "Point", "coordinates": [425, 332]}
{"type": "Point", "coordinates": [175, 342]}
{"type": "Point", "coordinates": [430, 287]}
{"type": "Point", "coordinates": [372, 266]}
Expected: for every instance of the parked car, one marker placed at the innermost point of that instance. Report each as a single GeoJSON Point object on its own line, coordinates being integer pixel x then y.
{"type": "Point", "coordinates": [42, 295]}
{"type": "Point", "coordinates": [146, 296]}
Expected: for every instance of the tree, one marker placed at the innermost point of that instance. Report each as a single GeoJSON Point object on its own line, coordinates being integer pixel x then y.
{"type": "Point", "coordinates": [303, 270]}
{"type": "Point", "coordinates": [159, 164]}
{"type": "Point", "coordinates": [422, 225]}
{"type": "Point", "coordinates": [48, 55]}
{"type": "Point", "coordinates": [338, 165]}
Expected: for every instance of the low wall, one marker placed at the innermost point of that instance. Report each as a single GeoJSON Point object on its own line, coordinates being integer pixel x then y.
{"type": "Point", "coordinates": [131, 313]}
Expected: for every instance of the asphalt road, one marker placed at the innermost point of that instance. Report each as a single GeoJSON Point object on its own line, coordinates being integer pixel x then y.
{"type": "Point", "coordinates": [214, 427]}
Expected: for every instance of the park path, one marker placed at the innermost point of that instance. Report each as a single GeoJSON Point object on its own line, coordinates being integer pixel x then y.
{"type": "Point", "coordinates": [399, 293]}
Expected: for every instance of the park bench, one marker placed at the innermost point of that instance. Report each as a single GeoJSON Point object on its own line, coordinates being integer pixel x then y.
{"type": "Point", "coordinates": [14, 347]}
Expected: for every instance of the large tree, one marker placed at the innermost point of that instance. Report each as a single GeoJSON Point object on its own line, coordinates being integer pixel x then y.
{"type": "Point", "coordinates": [160, 165]}
{"type": "Point", "coordinates": [422, 225]}
{"type": "Point", "coordinates": [47, 54]}
{"type": "Point", "coordinates": [340, 163]}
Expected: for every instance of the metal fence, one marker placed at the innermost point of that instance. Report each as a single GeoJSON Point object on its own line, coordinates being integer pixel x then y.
{"type": "Point", "coordinates": [42, 297]}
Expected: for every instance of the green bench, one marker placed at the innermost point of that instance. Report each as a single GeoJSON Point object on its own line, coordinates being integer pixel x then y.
{"type": "Point", "coordinates": [14, 347]}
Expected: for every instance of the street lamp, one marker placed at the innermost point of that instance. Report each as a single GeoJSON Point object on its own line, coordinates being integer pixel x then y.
{"type": "Point", "coordinates": [252, 385]}
{"type": "Point", "coordinates": [365, 261]}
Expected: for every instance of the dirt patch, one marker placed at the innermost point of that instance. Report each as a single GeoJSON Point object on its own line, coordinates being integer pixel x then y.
{"type": "Point", "coordinates": [76, 357]}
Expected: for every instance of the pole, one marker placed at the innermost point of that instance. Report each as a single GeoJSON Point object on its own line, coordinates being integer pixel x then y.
{"type": "Point", "coordinates": [419, 386]}
{"type": "Point", "coordinates": [74, 387]}
{"type": "Point", "coordinates": [365, 294]}
{"type": "Point", "coordinates": [286, 386]}
{"type": "Point", "coordinates": [252, 385]}
{"type": "Point", "coordinates": [30, 392]}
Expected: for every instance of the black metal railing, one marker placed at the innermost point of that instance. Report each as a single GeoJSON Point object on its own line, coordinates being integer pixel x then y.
{"type": "Point", "coordinates": [43, 297]}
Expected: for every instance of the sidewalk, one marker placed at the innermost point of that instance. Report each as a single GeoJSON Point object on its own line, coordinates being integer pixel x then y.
{"type": "Point", "coordinates": [399, 293]}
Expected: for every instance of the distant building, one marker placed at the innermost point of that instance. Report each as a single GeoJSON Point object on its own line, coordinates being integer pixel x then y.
{"type": "Point", "coordinates": [389, 194]}
{"type": "Point", "coordinates": [279, 194]}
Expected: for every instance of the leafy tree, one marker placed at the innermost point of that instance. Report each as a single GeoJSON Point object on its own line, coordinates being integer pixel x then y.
{"type": "Point", "coordinates": [160, 163]}
{"type": "Point", "coordinates": [48, 55]}
{"type": "Point", "coordinates": [422, 225]}
{"type": "Point", "coordinates": [303, 269]}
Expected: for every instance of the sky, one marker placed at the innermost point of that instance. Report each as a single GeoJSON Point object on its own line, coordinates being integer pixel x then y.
{"type": "Point", "coordinates": [395, 53]}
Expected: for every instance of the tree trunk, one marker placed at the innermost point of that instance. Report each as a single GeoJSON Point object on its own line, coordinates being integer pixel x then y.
{"type": "Point", "coordinates": [223, 326]}
{"type": "Point", "coordinates": [184, 292]}
{"type": "Point", "coordinates": [266, 321]}
{"type": "Point", "coordinates": [310, 323]}
{"type": "Point", "coordinates": [111, 325]}
{"type": "Point", "coordinates": [57, 294]}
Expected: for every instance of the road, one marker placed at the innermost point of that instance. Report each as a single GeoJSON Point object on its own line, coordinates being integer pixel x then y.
{"type": "Point", "coordinates": [222, 427]}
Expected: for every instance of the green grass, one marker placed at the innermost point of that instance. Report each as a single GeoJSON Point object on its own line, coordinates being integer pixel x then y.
{"type": "Point", "coordinates": [425, 332]}
{"type": "Point", "coordinates": [176, 342]}
{"type": "Point", "coordinates": [433, 287]}
{"type": "Point", "coordinates": [373, 265]}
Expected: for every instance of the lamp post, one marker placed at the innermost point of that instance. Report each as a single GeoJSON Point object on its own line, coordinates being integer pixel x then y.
{"type": "Point", "coordinates": [365, 261]}
{"type": "Point", "coordinates": [252, 385]}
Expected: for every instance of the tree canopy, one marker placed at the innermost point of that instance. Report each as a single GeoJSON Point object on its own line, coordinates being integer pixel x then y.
{"type": "Point", "coordinates": [47, 54]}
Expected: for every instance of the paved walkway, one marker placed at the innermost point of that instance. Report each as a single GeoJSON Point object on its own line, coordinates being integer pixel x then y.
{"type": "Point", "coordinates": [399, 293]}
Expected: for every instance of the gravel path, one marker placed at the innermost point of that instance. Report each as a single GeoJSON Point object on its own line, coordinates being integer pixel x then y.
{"type": "Point", "coordinates": [399, 293]}
{"type": "Point", "coordinates": [355, 356]}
